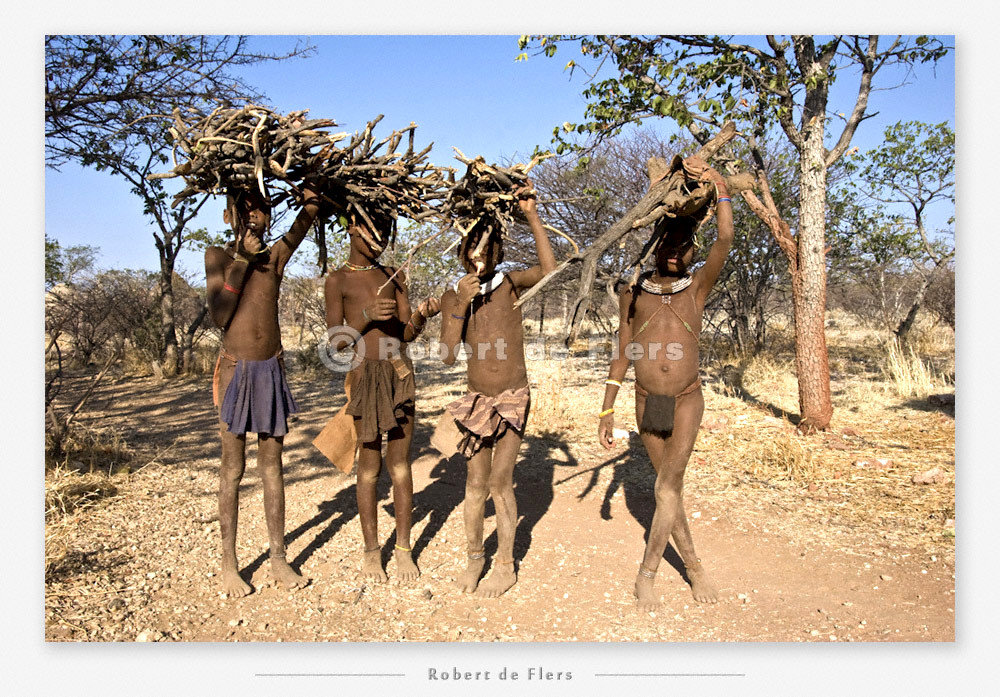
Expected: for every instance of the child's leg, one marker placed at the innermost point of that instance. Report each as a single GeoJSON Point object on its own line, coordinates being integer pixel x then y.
{"type": "Point", "coordinates": [670, 456]}
{"type": "Point", "coordinates": [397, 459]}
{"type": "Point", "coordinates": [702, 588]}
{"type": "Point", "coordinates": [477, 487]}
{"type": "Point", "coordinates": [269, 465]}
{"type": "Point", "coordinates": [502, 576]}
{"type": "Point", "coordinates": [369, 466]}
{"type": "Point", "coordinates": [230, 474]}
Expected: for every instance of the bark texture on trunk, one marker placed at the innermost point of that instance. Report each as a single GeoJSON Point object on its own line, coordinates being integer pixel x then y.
{"type": "Point", "coordinates": [809, 285]}
{"type": "Point", "coordinates": [168, 322]}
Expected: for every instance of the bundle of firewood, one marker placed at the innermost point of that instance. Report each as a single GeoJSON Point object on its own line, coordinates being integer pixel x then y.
{"type": "Point", "coordinates": [240, 148]}
{"type": "Point", "coordinates": [684, 195]}
{"type": "Point", "coordinates": [486, 196]}
{"type": "Point", "coordinates": [371, 180]}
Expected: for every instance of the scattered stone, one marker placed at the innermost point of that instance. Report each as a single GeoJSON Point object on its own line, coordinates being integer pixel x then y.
{"type": "Point", "coordinates": [885, 577]}
{"type": "Point", "coordinates": [427, 594]}
{"type": "Point", "coordinates": [262, 627]}
{"type": "Point", "coordinates": [932, 476]}
{"type": "Point", "coordinates": [812, 486]}
{"type": "Point", "coordinates": [848, 431]}
{"type": "Point", "coordinates": [878, 463]}
{"type": "Point", "coordinates": [235, 623]}
{"type": "Point", "coordinates": [835, 442]}
{"type": "Point", "coordinates": [145, 636]}
{"type": "Point", "coordinates": [715, 423]}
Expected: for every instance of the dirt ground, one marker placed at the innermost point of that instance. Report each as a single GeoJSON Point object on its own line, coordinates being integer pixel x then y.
{"type": "Point", "coordinates": [841, 552]}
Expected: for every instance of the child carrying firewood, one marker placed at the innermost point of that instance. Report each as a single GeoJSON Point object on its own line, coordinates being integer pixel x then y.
{"type": "Point", "coordinates": [249, 387]}
{"type": "Point", "coordinates": [372, 299]}
{"type": "Point", "coordinates": [491, 418]}
{"type": "Point", "coordinates": [660, 320]}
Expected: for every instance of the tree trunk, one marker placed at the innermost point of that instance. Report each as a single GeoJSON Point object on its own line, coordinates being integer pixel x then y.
{"type": "Point", "coordinates": [168, 323]}
{"type": "Point", "coordinates": [903, 330]}
{"type": "Point", "coordinates": [187, 340]}
{"type": "Point", "coordinates": [809, 286]}
{"type": "Point", "coordinates": [541, 315]}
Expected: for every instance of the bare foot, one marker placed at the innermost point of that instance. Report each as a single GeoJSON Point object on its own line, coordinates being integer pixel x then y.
{"type": "Point", "coordinates": [469, 579]}
{"type": "Point", "coordinates": [234, 586]}
{"type": "Point", "coordinates": [702, 588]}
{"type": "Point", "coordinates": [371, 566]}
{"type": "Point", "coordinates": [285, 575]}
{"type": "Point", "coordinates": [646, 599]}
{"type": "Point", "coordinates": [405, 568]}
{"type": "Point", "coordinates": [501, 578]}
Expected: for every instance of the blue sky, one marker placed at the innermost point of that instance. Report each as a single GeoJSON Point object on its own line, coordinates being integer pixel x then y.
{"type": "Point", "coordinates": [466, 91]}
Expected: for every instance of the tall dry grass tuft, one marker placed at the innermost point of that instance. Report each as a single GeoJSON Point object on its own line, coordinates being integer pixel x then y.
{"type": "Point", "coordinates": [779, 458]}
{"type": "Point", "coordinates": [908, 374]}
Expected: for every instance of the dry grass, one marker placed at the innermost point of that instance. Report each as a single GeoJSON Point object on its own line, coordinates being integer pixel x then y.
{"type": "Point", "coordinates": [909, 375]}
{"type": "Point", "coordinates": [79, 474]}
{"type": "Point", "coordinates": [779, 457]}
{"type": "Point", "coordinates": [89, 449]}
{"type": "Point", "coordinates": [551, 410]}
{"type": "Point", "coordinates": [68, 495]}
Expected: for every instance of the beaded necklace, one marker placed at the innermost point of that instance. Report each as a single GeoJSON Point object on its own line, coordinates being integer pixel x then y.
{"type": "Point", "coordinates": [677, 286]}
{"type": "Point", "coordinates": [355, 267]}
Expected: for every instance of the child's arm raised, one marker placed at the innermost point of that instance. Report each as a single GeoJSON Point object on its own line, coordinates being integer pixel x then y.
{"type": "Point", "coordinates": [706, 276]}
{"type": "Point", "coordinates": [546, 259]}
{"type": "Point", "coordinates": [619, 365]}
{"type": "Point", "coordinates": [455, 308]}
{"type": "Point", "coordinates": [296, 233]}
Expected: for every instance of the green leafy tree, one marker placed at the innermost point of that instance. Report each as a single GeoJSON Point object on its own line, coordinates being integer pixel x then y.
{"type": "Point", "coordinates": [776, 82]}
{"type": "Point", "coordinates": [910, 172]}
{"type": "Point", "coordinates": [102, 96]}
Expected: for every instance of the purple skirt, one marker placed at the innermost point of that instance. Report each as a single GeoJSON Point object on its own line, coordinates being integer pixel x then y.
{"type": "Point", "coordinates": [258, 399]}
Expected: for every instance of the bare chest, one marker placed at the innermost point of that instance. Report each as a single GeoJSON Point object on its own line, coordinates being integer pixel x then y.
{"type": "Point", "coordinates": [494, 315]}
{"type": "Point", "coordinates": [673, 317]}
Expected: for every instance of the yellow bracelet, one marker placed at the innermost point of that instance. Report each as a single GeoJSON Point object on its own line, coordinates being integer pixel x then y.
{"type": "Point", "coordinates": [612, 382]}
{"type": "Point", "coordinates": [606, 412]}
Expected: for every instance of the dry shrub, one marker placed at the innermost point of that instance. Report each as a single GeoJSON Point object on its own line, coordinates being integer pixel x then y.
{"type": "Point", "coordinates": [307, 359]}
{"type": "Point", "coordinates": [87, 449]}
{"type": "Point", "coordinates": [779, 457]}
{"type": "Point", "coordinates": [550, 409]}
{"type": "Point", "coordinates": [203, 359]}
{"type": "Point", "coordinates": [908, 374]}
